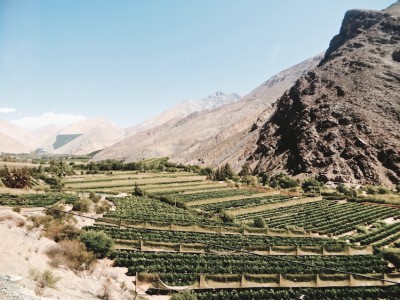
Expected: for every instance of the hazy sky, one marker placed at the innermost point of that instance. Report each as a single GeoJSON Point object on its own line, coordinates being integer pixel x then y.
{"type": "Point", "coordinates": [129, 60]}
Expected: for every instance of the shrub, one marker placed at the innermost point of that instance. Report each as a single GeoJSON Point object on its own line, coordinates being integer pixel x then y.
{"type": "Point", "coordinates": [98, 242]}
{"type": "Point", "coordinates": [226, 217]}
{"type": "Point", "coordinates": [40, 220]}
{"type": "Point", "coordinates": [82, 205]}
{"type": "Point", "coordinates": [56, 211]}
{"type": "Point", "coordinates": [71, 254]}
{"type": "Point", "coordinates": [259, 222]}
{"type": "Point", "coordinates": [59, 231]}
{"type": "Point", "coordinates": [43, 279]}
{"type": "Point", "coordinates": [102, 207]}
{"type": "Point", "coordinates": [95, 198]}
{"type": "Point", "coordinates": [382, 190]}
{"type": "Point", "coordinates": [283, 181]}
{"type": "Point", "coordinates": [137, 191]}
{"type": "Point", "coordinates": [17, 209]}
{"type": "Point", "coordinates": [311, 185]}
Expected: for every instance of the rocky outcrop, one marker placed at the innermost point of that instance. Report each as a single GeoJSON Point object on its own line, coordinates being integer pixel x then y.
{"type": "Point", "coordinates": [341, 121]}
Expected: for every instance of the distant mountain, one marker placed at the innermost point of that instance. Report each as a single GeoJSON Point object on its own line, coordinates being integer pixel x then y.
{"type": "Point", "coordinates": [184, 109]}
{"type": "Point", "coordinates": [210, 137]}
{"type": "Point", "coordinates": [83, 137]}
{"type": "Point", "coordinates": [10, 145]}
{"type": "Point", "coordinates": [341, 121]}
{"type": "Point", "coordinates": [14, 139]}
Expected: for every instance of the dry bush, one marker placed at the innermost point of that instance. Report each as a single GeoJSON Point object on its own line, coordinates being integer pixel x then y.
{"type": "Point", "coordinates": [58, 231]}
{"type": "Point", "coordinates": [17, 209]}
{"type": "Point", "coordinates": [95, 198]}
{"type": "Point", "coordinates": [105, 291]}
{"type": "Point", "coordinates": [82, 205]}
{"type": "Point", "coordinates": [71, 254]}
{"type": "Point", "coordinates": [40, 220]}
{"type": "Point", "coordinates": [59, 212]}
{"type": "Point", "coordinates": [43, 279]}
{"type": "Point", "coordinates": [8, 217]}
{"type": "Point", "coordinates": [103, 207]}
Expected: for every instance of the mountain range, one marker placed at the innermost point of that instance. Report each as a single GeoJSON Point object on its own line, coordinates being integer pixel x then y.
{"type": "Point", "coordinates": [335, 116]}
{"type": "Point", "coordinates": [210, 137]}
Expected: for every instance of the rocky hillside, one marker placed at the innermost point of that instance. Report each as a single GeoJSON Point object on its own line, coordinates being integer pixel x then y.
{"type": "Point", "coordinates": [341, 121]}
{"type": "Point", "coordinates": [184, 109]}
{"type": "Point", "coordinates": [212, 137]}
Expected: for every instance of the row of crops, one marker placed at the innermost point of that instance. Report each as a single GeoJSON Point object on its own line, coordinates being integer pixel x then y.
{"type": "Point", "coordinates": [179, 265]}
{"type": "Point", "coordinates": [242, 203]}
{"type": "Point", "coordinates": [324, 216]}
{"type": "Point", "coordinates": [390, 292]}
{"type": "Point", "coordinates": [131, 182]}
{"type": "Point", "coordinates": [171, 192]}
{"type": "Point", "coordinates": [380, 237]}
{"type": "Point", "coordinates": [236, 241]}
{"type": "Point", "coordinates": [213, 194]}
{"type": "Point", "coordinates": [124, 176]}
{"type": "Point", "coordinates": [143, 209]}
{"type": "Point", "coordinates": [36, 199]}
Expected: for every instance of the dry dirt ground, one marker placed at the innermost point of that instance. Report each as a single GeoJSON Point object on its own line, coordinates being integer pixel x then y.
{"type": "Point", "coordinates": [22, 251]}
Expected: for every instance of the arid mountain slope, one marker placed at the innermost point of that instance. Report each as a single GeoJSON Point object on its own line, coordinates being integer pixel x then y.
{"type": "Point", "coordinates": [184, 109]}
{"type": "Point", "coordinates": [84, 137]}
{"type": "Point", "coordinates": [210, 137]}
{"type": "Point", "coordinates": [14, 139]}
{"type": "Point", "coordinates": [10, 145]}
{"type": "Point", "coordinates": [341, 121]}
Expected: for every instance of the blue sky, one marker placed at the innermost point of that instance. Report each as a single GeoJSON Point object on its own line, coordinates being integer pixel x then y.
{"type": "Point", "coordinates": [129, 60]}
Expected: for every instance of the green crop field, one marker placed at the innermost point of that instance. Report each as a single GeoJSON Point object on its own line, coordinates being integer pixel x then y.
{"type": "Point", "coordinates": [193, 233]}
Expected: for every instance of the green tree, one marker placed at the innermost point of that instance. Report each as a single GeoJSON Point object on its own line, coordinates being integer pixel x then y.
{"type": "Point", "coordinates": [311, 185]}
{"type": "Point", "coordinates": [259, 222]}
{"type": "Point", "coordinates": [245, 171]}
{"type": "Point", "coordinates": [228, 172]}
{"type": "Point", "coordinates": [283, 181]}
{"type": "Point", "coordinates": [264, 178]}
{"type": "Point", "coordinates": [137, 191]}
{"type": "Point", "coordinates": [98, 242]}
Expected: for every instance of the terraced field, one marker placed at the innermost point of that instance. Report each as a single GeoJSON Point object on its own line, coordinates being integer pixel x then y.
{"type": "Point", "coordinates": [177, 236]}
{"type": "Point", "coordinates": [141, 209]}
{"type": "Point", "coordinates": [324, 216]}
{"type": "Point", "coordinates": [203, 253]}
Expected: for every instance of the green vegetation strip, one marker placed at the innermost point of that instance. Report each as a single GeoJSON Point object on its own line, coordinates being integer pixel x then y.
{"type": "Point", "coordinates": [242, 203]}
{"type": "Point", "coordinates": [36, 199]}
{"type": "Point", "coordinates": [179, 263]}
{"type": "Point", "coordinates": [213, 194]}
{"type": "Point", "coordinates": [390, 292]}
{"type": "Point", "coordinates": [237, 241]}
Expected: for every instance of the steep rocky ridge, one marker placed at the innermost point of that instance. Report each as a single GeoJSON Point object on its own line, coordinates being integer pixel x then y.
{"type": "Point", "coordinates": [341, 121]}
{"type": "Point", "coordinates": [209, 138]}
{"type": "Point", "coordinates": [184, 109]}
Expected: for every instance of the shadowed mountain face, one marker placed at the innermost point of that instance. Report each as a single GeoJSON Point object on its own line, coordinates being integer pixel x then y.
{"type": "Point", "coordinates": [341, 121]}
